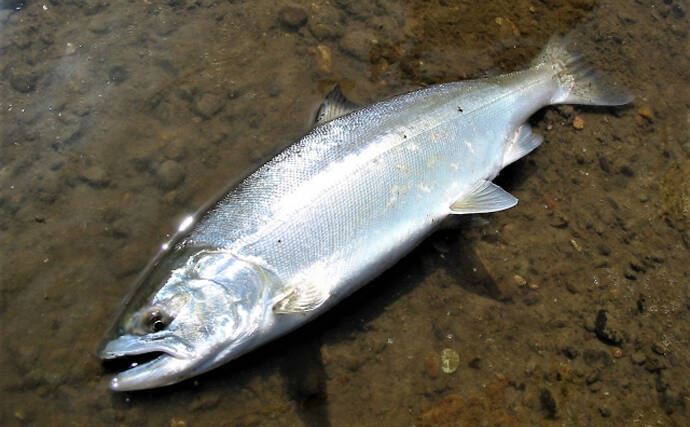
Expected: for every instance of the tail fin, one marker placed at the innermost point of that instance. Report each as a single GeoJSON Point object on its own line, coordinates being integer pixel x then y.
{"type": "Point", "coordinates": [579, 82]}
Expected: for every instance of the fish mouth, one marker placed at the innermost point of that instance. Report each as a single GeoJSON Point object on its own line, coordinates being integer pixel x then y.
{"type": "Point", "coordinates": [149, 361]}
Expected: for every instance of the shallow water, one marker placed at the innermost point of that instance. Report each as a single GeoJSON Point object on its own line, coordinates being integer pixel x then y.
{"type": "Point", "coordinates": [119, 118]}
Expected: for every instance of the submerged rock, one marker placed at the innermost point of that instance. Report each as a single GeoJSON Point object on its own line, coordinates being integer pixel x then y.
{"type": "Point", "coordinates": [292, 17]}
{"type": "Point", "coordinates": [170, 175]}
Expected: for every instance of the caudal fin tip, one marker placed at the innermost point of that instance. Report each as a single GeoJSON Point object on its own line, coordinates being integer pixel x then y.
{"type": "Point", "coordinates": [602, 92]}
{"type": "Point", "coordinates": [580, 82]}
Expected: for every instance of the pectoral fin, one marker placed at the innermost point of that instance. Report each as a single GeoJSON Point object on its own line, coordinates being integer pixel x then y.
{"type": "Point", "coordinates": [333, 106]}
{"type": "Point", "coordinates": [302, 299]}
{"type": "Point", "coordinates": [486, 197]}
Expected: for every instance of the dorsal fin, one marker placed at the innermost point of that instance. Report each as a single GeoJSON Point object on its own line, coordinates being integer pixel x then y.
{"type": "Point", "coordinates": [333, 106]}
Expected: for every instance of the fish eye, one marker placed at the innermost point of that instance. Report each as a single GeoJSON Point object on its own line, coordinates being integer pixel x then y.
{"type": "Point", "coordinates": [156, 320]}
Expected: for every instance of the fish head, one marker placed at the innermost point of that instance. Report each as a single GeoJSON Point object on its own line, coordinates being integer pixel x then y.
{"type": "Point", "coordinates": [194, 310]}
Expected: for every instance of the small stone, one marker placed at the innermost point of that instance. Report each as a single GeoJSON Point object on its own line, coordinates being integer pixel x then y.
{"type": "Point", "coordinates": [603, 249]}
{"type": "Point", "coordinates": [117, 74]}
{"type": "Point", "coordinates": [646, 113]}
{"type": "Point", "coordinates": [570, 352]}
{"type": "Point", "coordinates": [323, 58]}
{"type": "Point", "coordinates": [176, 422]}
{"type": "Point", "coordinates": [627, 171]}
{"type": "Point", "coordinates": [70, 48]}
{"type": "Point", "coordinates": [638, 357]}
{"type": "Point", "coordinates": [274, 91]}
{"type": "Point", "coordinates": [205, 403]}
{"type": "Point", "coordinates": [4, 15]}
{"type": "Point", "coordinates": [604, 331]}
{"type": "Point", "coordinates": [358, 44]}
{"type": "Point", "coordinates": [431, 364]}
{"type": "Point", "coordinates": [519, 280]}
{"type": "Point", "coordinates": [617, 353]}
{"type": "Point", "coordinates": [170, 175]}
{"type": "Point", "coordinates": [604, 164]}
{"type": "Point", "coordinates": [450, 360]}
{"type": "Point", "coordinates": [659, 348]}
{"type": "Point", "coordinates": [95, 176]}
{"type": "Point", "coordinates": [578, 123]}
{"type": "Point", "coordinates": [548, 403]}
{"type": "Point", "coordinates": [604, 412]}
{"type": "Point", "coordinates": [23, 82]}
{"type": "Point", "coordinates": [575, 245]}
{"type": "Point", "coordinates": [592, 378]}
{"type": "Point", "coordinates": [98, 25]}
{"type": "Point", "coordinates": [654, 364]}
{"type": "Point", "coordinates": [209, 105]}
{"type": "Point", "coordinates": [292, 17]}
{"type": "Point", "coordinates": [678, 11]}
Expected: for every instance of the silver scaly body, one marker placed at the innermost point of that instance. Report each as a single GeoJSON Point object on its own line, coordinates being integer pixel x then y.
{"type": "Point", "coordinates": [333, 211]}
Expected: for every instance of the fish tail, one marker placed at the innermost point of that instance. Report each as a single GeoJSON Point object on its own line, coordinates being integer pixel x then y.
{"type": "Point", "coordinates": [578, 81]}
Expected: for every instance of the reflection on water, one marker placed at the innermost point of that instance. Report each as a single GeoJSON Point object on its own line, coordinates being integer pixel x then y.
{"type": "Point", "coordinates": [117, 119]}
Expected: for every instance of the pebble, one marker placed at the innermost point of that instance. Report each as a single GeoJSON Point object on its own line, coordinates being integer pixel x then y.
{"type": "Point", "coordinates": [23, 82]}
{"type": "Point", "coordinates": [617, 353]}
{"type": "Point", "coordinates": [70, 48]}
{"type": "Point", "coordinates": [205, 403]}
{"type": "Point", "coordinates": [209, 105]}
{"type": "Point", "coordinates": [292, 17]}
{"type": "Point", "coordinates": [323, 58]}
{"type": "Point", "coordinates": [678, 11]}
{"type": "Point", "coordinates": [176, 422]}
{"type": "Point", "coordinates": [170, 175]}
{"type": "Point", "coordinates": [519, 280]}
{"type": "Point", "coordinates": [638, 357]}
{"type": "Point", "coordinates": [475, 363]}
{"type": "Point", "coordinates": [450, 360]}
{"type": "Point", "coordinates": [358, 44]}
{"type": "Point", "coordinates": [604, 164]}
{"type": "Point", "coordinates": [431, 364]}
{"type": "Point", "coordinates": [274, 91]}
{"type": "Point", "coordinates": [646, 113]}
{"type": "Point", "coordinates": [117, 74]}
{"type": "Point", "coordinates": [627, 171]}
{"type": "Point", "coordinates": [548, 403]}
{"type": "Point", "coordinates": [604, 332]}
{"type": "Point", "coordinates": [95, 176]}
{"type": "Point", "coordinates": [578, 123]}
{"type": "Point", "coordinates": [659, 348]}
{"type": "Point", "coordinates": [570, 352]}
{"type": "Point", "coordinates": [98, 25]}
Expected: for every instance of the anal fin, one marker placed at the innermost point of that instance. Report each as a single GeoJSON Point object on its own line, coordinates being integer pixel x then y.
{"type": "Point", "coordinates": [520, 144]}
{"type": "Point", "coordinates": [485, 197]}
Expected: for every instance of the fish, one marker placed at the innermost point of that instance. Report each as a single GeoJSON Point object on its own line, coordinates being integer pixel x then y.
{"type": "Point", "coordinates": [332, 211]}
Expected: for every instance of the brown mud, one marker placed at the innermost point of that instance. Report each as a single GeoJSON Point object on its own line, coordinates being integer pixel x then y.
{"type": "Point", "coordinates": [119, 118]}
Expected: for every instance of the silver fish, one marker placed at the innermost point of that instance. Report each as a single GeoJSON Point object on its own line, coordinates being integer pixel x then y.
{"type": "Point", "coordinates": [334, 210]}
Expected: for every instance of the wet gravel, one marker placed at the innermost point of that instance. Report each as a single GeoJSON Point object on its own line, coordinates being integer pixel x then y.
{"type": "Point", "coordinates": [117, 119]}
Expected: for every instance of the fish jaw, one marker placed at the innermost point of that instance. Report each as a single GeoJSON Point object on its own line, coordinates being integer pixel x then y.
{"type": "Point", "coordinates": [176, 361]}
